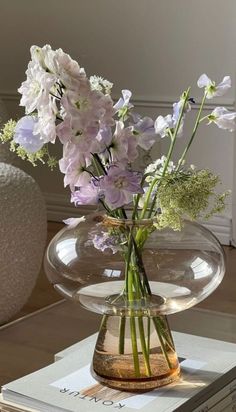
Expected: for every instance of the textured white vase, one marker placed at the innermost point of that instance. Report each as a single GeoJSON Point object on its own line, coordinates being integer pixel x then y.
{"type": "Point", "coordinates": [23, 229]}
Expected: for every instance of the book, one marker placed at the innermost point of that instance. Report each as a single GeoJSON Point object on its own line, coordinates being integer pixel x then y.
{"type": "Point", "coordinates": [227, 404]}
{"type": "Point", "coordinates": [13, 407]}
{"type": "Point", "coordinates": [227, 394]}
{"type": "Point", "coordinates": [208, 368]}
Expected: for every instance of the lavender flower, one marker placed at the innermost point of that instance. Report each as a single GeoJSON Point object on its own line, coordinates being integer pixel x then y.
{"type": "Point", "coordinates": [74, 165]}
{"type": "Point", "coordinates": [106, 240]}
{"type": "Point", "coordinates": [123, 147]}
{"type": "Point", "coordinates": [144, 132]}
{"type": "Point", "coordinates": [119, 185]}
{"type": "Point", "coordinates": [25, 136]}
{"type": "Point", "coordinates": [123, 104]}
{"type": "Point", "coordinates": [86, 195]}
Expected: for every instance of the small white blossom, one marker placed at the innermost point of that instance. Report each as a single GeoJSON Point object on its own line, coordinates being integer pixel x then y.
{"type": "Point", "coordinates": [46, 126]}
{"type": "Point", "coordinates": [157, 167]}
{"type": "Point", "coordinates": [223, 118]}
{"type": "Point", "coordinates": [100, 84]}
{"type": "Point", "coordinates": [213, 90]}
{"type": "Point", "coordinates": [163, 124]}
{"type": "Point", "coordinates": [72, 222]}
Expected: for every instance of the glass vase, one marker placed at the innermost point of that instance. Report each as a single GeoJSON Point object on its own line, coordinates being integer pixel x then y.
{"type": "Point", "coordinates": [134, 275]}
{"type": "Point", "coordinates": [135, 353]}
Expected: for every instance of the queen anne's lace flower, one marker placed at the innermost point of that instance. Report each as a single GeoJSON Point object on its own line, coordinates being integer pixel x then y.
{"type": "Point", "coordinates": [100, 84]}
{"type": "Point", "coordinates": [157, 168]}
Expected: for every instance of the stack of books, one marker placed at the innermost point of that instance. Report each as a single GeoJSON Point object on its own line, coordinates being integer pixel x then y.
{"type": "Point", "coordinates": [208, 383]}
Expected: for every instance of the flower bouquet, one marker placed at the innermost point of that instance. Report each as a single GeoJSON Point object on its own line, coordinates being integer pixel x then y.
{"type": "Point", "coordinates": [143, 211]}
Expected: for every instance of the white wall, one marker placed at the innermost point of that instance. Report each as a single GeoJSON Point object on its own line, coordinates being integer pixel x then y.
{"type": "Point", "coordinates": [154, 47]}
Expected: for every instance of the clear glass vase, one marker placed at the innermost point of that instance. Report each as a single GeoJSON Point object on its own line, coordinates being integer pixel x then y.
{"type": "Point", "coordinates": [134, 275]}
{"type": "Point", "coordinates": [135, 353]}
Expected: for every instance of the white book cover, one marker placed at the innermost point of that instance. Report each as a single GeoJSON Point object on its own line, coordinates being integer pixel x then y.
{"type": "Point", "coordinates": [68, 386]}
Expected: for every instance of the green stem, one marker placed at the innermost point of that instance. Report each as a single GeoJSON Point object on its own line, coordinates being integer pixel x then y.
{"type": "Point", "coordinates": [143, 346]}
{"type": "Point", "coordinates": [99, 165]}
{"type": "Point", "coordinates": [130, 286]}
{"type": "Point", "coordinates": [198, 120]}
{"type": "Point", "coordinates": [127, 262]}
{"type": "Point", "coordinates": [122, 335]}
{"type": "Point", "coordinates": [148, 195]}
{"type": "Point", "coordinates": [171, 148]}
{"type": "Point", "coordinates": [137, 198]}
{"type": "Point", "coordinates": [140, 265]}
{"type": "Point", "coordinates": [134, 346]}
{"type": "Point", "coordinates": [162, 343]}
{"type": "Point", "coordinates": [148, 334]}
{"type": "Point", "coordinates": [105, 206]}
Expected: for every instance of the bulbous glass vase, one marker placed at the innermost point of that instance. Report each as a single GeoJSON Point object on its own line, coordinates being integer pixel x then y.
{"type": "Point", "coordinates": [134, 275]}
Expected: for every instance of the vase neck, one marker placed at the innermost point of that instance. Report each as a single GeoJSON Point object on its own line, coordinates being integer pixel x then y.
{"type": "Point", "coordinates": [122, 222]}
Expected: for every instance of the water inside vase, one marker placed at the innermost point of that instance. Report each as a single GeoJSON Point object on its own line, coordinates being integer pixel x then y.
{"type": "Point", "coordinates": [115, 363]}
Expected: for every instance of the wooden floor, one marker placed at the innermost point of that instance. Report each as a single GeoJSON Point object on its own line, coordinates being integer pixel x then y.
{"type": "Point", "coordinates": [222, 300]}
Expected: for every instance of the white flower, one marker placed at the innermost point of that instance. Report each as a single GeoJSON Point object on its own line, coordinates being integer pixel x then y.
{"type": "Point", "coordinates": [73, 164]}
{"type": "Point", "coordinates": [163, 124]}
{"type": "Point", "coordinates": [71, 75]}
{"type": "Point", "coordinates": [40, 54]}
{"type": "Point", "coordinates": [123, 102]}
{"type": "Point", "coordinates": [35, 89]}
{"type": "Point", "coordinates": [46, 126]}
{"type": "Point", "coordinates": [100, 84]}
{"type": "Point", "coordinates": [72, 222]}
{"type": "Point", "coordinates": [177, 107]}
{"type": "Point", "coordinates": [223, 118]}
{"type": "Point", "coordinates": [157, 167]}
{"type": "Point", "coordinates": [210, 87]}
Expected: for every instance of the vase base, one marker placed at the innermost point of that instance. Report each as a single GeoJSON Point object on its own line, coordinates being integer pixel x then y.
{"type": "Point", "coordinates": [138, 385]}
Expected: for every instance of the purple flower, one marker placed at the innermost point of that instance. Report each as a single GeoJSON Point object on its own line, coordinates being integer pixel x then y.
{"type": "Point", "coordinates": [86, 195]}
{"type": "Point", "coordinates": [24, 134]}
{"type": "Point", "coordinates": [123, 147]}
{"type": "Point", "coordinates": [119, 185]}
{"type": "Point", "coordinates": [106, 240]}
{"type": "Point", "coordinates": [123, 102]}
{"type": "Point", "coordinates": [145, 132]}
{"type": "Point", "coordinates": [74, 165]}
